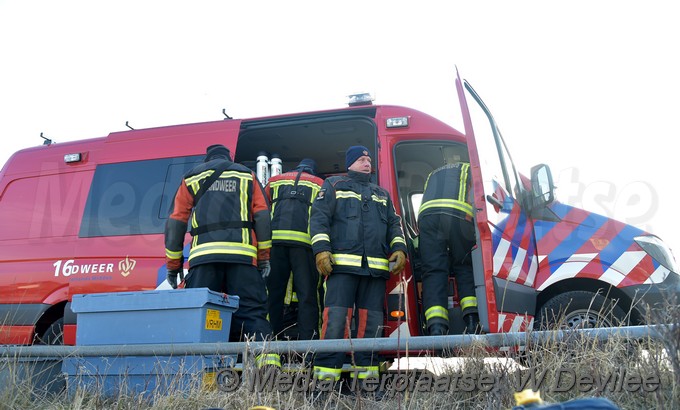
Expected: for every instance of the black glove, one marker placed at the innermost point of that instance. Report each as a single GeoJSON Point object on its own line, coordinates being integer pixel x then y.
{"type": "Point", "coordinates": [172, 277]}
{"type": "Point", "coordinates": [264, 267]}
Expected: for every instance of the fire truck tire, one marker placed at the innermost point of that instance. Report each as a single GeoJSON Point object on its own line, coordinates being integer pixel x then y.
{"type": "Point", "coordinates": [580, 309]}
{"type": "Point", "coordinates": [54, 335]}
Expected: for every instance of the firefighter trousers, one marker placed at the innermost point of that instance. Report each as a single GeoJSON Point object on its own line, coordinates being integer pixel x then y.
{"type": "Point", "coordinates": [351, 296]}
{"type": "Point", "coordinates": [243, 281]}
{"type": "Point", "coordinates": [299, 260]}
{"type": "Point", "coordinates": [445, 244]}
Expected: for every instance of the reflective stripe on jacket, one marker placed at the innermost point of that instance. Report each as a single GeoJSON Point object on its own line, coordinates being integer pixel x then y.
{"type": "Point", "coordinates": [230, 223]}
{"type": "Point", "coordinates": [291, 206]}
{"type": "Point", "coordinates": [447, 191]}
{"type": "Point", "coordinates": [355, 220]}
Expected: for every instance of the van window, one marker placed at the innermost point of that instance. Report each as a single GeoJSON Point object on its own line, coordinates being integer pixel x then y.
{"type": "Point", "coordinates": [496, 163]}
{"type": "Point", "coordinates": [133, 198]}
{"type": "Point", "coordinates": [414, 162]}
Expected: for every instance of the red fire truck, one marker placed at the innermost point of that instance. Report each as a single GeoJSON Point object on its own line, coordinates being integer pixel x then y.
{"type": "Point", "coordinates": [88, 217]}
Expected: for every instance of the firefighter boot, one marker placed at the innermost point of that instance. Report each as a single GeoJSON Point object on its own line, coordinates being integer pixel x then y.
{"type": "Point", "coordinates": [438, 329]}
{"type": "Point", "coordinates": [472, 326]}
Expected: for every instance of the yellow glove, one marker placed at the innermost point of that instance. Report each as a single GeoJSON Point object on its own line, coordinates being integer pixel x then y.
{"type": "Point", "coordinates": [399, 259]}
{"type": "Point", "coordinates": [324, 263]}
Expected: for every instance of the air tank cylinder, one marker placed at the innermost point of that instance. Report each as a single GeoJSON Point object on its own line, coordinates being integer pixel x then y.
{"type": "Point", "coordinates": [262, 168]}
{"type": "Point", "coordinates": [277, 166]}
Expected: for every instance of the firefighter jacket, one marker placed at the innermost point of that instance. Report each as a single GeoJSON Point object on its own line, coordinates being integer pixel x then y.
{"type": "Point", "coordinates": [355, 220]}
{"type": "Point", "coordinates": [291, 195]}
{"type": "Point", "coordinates": [447, 191]}
{"type": "Point", "coordinates": [229, 223]}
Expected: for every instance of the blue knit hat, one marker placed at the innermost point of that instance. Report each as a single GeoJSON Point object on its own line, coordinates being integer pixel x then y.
{"type": "Point", "coordinates": [217, 151]}
{"type": "Point", "coordinates": [354, 153]}
{"type": "Point", "coordinates": [309, 164]}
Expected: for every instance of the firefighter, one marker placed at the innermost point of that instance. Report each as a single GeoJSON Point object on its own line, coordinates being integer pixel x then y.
{"type": "Point", "coordinates": [447, 236]}
{"type": "Point", "coordinates": [354, 229]}
{"type": "Point", "coordinates": [291, 196]}
{"type": "Point", "coordinates": [231, 240]}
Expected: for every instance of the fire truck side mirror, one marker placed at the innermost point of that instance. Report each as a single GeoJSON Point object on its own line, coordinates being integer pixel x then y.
{"type": "Point", "coordinates": [542, 185]}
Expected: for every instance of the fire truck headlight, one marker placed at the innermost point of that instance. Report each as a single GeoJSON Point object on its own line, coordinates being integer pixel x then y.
{"type": "Point", "coordinates": [658, 250]}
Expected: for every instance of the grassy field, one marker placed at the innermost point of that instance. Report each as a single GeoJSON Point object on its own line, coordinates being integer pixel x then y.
{"type": "Point", "coordinates": [632, 374]}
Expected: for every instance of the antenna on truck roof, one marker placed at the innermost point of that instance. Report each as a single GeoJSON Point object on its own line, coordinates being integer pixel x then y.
{"type": "Point", "coordinates": [224, 111]}
{"type": "Point", "coordinates": [47, 140]}
{"type": "Point", "coordinates": [128, 125]}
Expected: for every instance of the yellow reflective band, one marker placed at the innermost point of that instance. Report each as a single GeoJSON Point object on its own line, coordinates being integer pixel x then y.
{"type": "Point", "coordinates": [198, 177]}
{"type": "Point", "coordinates": [347, 195]}
{"type": "Point", "coordinates": [462, 185]}
{"type": "Point", "coordinates": [437, 311]}
{"type": "Point", "coordinates": [194, 224]}
{"type": "Point", "coordinates": [347, 260]}
{"type": "Point", "coordinates": [264, 245]}
{"type": "Point", "coordinates": [237, 174]}
{"type": "Point", "coordinates": [229, 248]}
{"type": "Point", "coordinates": [327, 373]}
{"type": "Point", "coordinates": [289, 291]}
{"type": "Point", "coordinates": [225, 174]}
{"type": "Point", "coordinates": [275, 194]}
{"type": "Point", "coordinates": [172, 254]}
{"type": "Point", "coordinates": [283, 235]}
{"type": "Point", "coordinates": [272, 359]}
{"type": "Point", "coordinates": [447, 203]}
{"type": "Point", "coordinates": [315, 191]}
{"type": "Point", "coordinates": [365, 372]}
{"type": "Point", "coordinates": [381, 200]}
{"type": "Point", "coordinates": [194, 182]}
{"type": "Point", "coordinates": [397, 239]}
{"type": "Point", "coordinates": [378, 263]}
{"type": "Point", "coordinates": [243, 197]}
{"type": "Point", "coordinates": [320, 237]}
{"type": "Point", "coordinates": [301, 182]}
{"type": "Point", "coordinates": [470, 301]}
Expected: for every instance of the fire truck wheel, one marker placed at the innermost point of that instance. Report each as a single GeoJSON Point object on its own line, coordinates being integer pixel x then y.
{"type": "Point", "coordinates": [54, 335]}
{"type": "Point", "coordinates": [580, 310]}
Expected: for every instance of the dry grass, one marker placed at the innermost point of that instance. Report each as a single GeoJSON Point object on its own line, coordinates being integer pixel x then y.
{"type": "Point", "coordinates": [633, 375]}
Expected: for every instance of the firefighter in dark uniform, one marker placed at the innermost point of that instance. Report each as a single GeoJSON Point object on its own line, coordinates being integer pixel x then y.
{"type": "Point", "coordinates": [291, 196]}
{"type": "Point", "coordinates": [231, 240]}
{"type": "Point", "coordinates": [447, 236]}
{"type": "Point", "coordinates": [355, 235]}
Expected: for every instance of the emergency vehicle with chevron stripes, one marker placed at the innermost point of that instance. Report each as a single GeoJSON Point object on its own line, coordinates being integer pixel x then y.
{"type": "Point", "coordinates": [88, 217]}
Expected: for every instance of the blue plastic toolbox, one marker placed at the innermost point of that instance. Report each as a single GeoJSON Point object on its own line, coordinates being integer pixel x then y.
{"type": "Point", "coordinates": [158, 316]}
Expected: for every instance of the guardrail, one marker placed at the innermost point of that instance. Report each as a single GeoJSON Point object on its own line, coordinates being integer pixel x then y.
{"type": "Point", "coordinates": [412, 344]}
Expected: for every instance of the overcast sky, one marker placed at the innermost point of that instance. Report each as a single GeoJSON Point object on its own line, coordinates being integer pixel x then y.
{"type": "Point", "coordinates": [589, 87]}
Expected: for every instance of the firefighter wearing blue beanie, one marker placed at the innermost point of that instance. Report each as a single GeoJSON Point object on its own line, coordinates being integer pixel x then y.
{"type": "Point", "coordinates": [354, 153]}
{"type": "Point", "coordinates": [357, 242]}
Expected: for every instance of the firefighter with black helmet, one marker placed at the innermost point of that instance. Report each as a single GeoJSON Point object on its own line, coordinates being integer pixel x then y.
{"type": "Point", "coordinates": [291, 195]}
{"type": "Point", "coordinates": [356, 233]}
{"type": "Point", "coordinates": [447, 236]}
{"type": "Point", "coordinates": [231, 240]}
